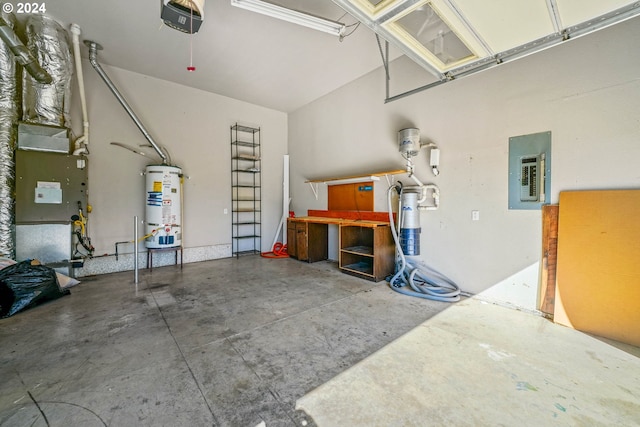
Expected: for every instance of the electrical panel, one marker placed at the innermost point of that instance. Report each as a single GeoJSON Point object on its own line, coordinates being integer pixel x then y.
{"type": "Point", "coordinates": [532, 178]}
{"type": "Point", "coordinates": [529, 171]}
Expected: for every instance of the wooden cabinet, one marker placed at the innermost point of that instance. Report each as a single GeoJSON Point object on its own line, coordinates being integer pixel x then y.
{"type": "Point", "coordinates": [307, 241]}
{"type": "Point", "coordinates": [367, 250]}
{"type": "Point", "coordinates": [292, 239]}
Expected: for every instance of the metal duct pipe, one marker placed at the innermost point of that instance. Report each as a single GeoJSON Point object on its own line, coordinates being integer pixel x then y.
{"type": "Point", "coordinates": [93, 59]}
{"type": "Point", "coordinates": [22, 54]}
{"type": "Point", "coordinates": [8, 120]}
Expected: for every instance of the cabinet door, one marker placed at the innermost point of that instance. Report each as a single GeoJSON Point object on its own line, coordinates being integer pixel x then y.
{"type": "Point", "coordinates": [302, 247]}
{"type": "Point", "coordinates": [292, 237]}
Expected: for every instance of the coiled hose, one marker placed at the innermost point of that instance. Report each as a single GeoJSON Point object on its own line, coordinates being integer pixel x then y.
{"type": "Point", "coordinates": [424, 281]}
{"type": "Point", "coordinates": [279, 251]}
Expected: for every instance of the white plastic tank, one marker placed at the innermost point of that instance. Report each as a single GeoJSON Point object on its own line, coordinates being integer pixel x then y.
{"type": "Point", "coordinates": [409, 142]}
{"type": "Point", "coordinates": [163, 209]}
{"type": "Point", "coordinates": [410, 221]}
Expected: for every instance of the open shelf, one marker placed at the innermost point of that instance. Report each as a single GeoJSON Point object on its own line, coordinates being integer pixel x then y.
{"type": "Point", "coordinates": [245, 144]}
{"type": "Point", "coordinates": [248, 158]}
{"type": "Point", "coordinates": [352, 177]}
{"type": "Point", "coordinates": [366, 251]}
{"type": "Point", "coordinates": [245, 190]}
{"type": "Point", "coordinates": [247, 252]}
{"type": "Point", "coordinates": [359, 266]}
{"type": "Point", "coordinates": [359, 250]}
{"type": "Point", "coordinates": [242, 128]}
{"type": "Point", "coordinates": [246, 170]}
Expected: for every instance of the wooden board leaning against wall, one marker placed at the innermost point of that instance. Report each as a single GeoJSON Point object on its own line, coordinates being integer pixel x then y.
{"type": "Point", "coordinates": [598, 273]}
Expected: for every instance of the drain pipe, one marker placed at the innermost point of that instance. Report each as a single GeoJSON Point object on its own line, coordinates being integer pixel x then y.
{"type": "Point", "coordinates": [93, 59]}
{"type": "Point", "coordinates": [81, 143]}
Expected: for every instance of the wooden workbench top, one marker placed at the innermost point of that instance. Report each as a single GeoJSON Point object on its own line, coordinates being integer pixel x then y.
{"type": "Point", "coordinates": [339, 221]}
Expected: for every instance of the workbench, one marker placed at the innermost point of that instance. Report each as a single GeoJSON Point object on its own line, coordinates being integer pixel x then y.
{"type": "Point", "coordinates": [366, 248]}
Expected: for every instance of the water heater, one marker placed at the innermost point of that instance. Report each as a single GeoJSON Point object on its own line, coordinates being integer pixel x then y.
{"type": "Point", "coordinates": [163, 209]}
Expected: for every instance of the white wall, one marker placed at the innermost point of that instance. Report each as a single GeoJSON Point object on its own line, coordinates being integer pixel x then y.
{"type": "Point", "coordinates": [585, 92]}
{"type": "Point", "coordinates": [195, 127]}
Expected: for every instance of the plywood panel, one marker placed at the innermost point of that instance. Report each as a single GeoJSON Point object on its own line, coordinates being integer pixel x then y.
{"type": "Point", "coordinates": [598, 272]}
{"type": "Point", "coordinates": [351, 197]}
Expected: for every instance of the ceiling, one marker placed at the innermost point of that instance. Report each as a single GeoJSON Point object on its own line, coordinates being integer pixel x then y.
{"type": "Point", "coordinates": [280, 65]}
{"type": "Point", "coordinates": [451, 38]}
{"type": "Point", "coordinates": [237, 53]}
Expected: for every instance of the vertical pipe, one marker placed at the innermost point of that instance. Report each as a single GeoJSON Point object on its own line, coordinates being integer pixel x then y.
{"type": "Point", "coordinates": [135, 249]}
{"type": "Point", "coordinates": [80, 144]}
{"type": "Point", "coordinates": [285, 198]}
{"type": "Point", "coordinates": [386, 67]}
{"type": "Point", "coordinates": [285, 203]}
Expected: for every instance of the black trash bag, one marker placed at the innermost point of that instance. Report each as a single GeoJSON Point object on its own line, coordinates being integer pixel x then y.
{"type": "Point", "coordinates": [23, 286]}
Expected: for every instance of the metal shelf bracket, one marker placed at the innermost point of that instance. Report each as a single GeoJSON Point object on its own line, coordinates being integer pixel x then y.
{"type": "Point", "coordinates": [314, 188]}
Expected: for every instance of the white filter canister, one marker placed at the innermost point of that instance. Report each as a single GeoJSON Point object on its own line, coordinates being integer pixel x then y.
{"type": "Point", "coordinates": [410, 223]}
{"type": "Point", "coordinates": [409, 142]}
{"type": "Point", "coordinates": [163, 209]}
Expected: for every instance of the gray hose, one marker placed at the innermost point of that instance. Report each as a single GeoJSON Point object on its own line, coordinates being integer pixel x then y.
{"type": "Point", "coordinates": [428, 284]}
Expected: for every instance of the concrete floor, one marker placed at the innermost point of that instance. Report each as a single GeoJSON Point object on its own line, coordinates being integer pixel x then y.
{"type": "Point", "coordinates": [231, 342]}
{"type": "Point", "coordinates": [237, 342]}
{"type": "Point", "coordinates": [477, 364]}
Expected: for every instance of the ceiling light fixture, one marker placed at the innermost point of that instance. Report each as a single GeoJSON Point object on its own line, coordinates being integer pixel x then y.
{"type": "Point", "coordinates": [290, 15]}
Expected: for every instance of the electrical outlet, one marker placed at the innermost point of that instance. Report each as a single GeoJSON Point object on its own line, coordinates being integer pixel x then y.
{"type": "Point", "coordinates": [475, 215]}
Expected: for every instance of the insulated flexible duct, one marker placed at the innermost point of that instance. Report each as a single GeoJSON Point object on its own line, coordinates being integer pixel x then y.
{"type": "Point", "coordinates": [48, 104]}
{"type": "Point", "coordinates": [20, 51]}
{"type": "Point", "coordinates": [8, 119]}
